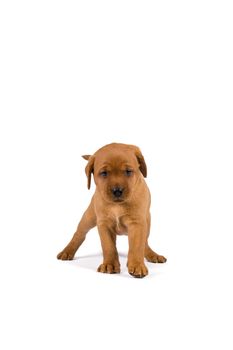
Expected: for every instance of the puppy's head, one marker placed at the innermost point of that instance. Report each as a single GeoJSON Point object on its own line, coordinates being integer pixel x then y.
{"type": "Point", "coordinates": [116, 169]}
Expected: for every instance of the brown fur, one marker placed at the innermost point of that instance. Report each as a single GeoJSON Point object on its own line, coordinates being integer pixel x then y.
{"type": "Point", "coordinates": [117, 166]}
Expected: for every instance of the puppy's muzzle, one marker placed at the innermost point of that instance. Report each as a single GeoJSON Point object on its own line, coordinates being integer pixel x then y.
{"type": "Point", "coordinates": [117, 192]}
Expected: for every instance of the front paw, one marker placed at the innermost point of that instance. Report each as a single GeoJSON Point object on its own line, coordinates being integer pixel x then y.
{"type": "Point", "coordinates": [138, 270]}
{"type": "Point", "coordinates": [66, 254]}
{"type": "Point", "coordinates": [109, 268]}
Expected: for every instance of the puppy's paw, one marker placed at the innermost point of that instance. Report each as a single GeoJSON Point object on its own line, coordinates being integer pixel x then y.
{"type": "Point", "coordinates": [138, 270]}
{"type": "Point", "coordinates": [109, 268]}
{"type": "Point", "coordinates": [155, 258]}
{"type": "Point", "coordinates": [66, 254]}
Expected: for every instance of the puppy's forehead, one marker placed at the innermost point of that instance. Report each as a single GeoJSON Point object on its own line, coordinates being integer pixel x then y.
{"type": "Point", "coordinates": [116, 158]}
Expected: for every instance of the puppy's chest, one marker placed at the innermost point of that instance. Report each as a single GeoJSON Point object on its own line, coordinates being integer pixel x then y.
{"type": "Point", "coordinates": [117, 222]}
{"type": "Point", "coordinates": [119, 228]}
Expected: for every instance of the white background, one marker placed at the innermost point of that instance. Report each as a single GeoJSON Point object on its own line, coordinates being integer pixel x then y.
{"type": "Point", "coordinates": [76, 75]}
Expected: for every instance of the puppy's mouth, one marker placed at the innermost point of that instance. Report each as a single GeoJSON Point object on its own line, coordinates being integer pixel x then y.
{"type": "Point", "coordinates": [118, 200]}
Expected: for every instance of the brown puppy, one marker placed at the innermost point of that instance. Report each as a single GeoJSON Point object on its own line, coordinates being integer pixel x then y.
{"type": "Point", "coordinates": [120, 204]}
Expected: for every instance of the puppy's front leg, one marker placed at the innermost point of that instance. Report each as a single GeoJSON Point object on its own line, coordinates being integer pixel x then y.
{"type": "Point", "coordinates": [137, 234]}
{"type": "Point", "coordinates": [111, 262]}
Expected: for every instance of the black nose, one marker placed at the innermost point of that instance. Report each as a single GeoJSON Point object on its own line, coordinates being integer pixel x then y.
{"type": "Point", "coordinates": [117, 192]}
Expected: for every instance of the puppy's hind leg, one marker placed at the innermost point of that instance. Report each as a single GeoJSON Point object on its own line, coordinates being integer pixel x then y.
{"type": "Point", "coordinates": [150, 255]}
{"type": "Point", "coordinates": [87, 222]}
{"type": "Point", "coordinates": [153, 257]}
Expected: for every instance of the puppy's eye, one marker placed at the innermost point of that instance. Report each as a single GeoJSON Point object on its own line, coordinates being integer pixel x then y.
{"type": "Point", "coordinates": [128, 172]}
{"type": "Point", "coordinates": [104, 173]}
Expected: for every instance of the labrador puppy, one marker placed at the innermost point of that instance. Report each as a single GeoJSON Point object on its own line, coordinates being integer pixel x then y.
{"type": "Point", "coordinates": [120, 205]}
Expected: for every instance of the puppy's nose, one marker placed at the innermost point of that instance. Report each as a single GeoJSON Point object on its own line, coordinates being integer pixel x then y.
{"type": "Point", "coordinates": [117, 192]}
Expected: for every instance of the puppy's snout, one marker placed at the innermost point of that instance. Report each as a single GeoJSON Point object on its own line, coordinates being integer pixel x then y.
{"type": "Point", "coordinates": [117, 192]}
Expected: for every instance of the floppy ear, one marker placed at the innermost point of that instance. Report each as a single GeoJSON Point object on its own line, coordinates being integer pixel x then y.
{"type": "Point", "coordinates": [89, 169]}
{"type": "Point", "coordinates": [86, 156]}
{"type": "Point", "coordinates": [142, 164]}
{"type": "Point", "coordinates": [141, 161]}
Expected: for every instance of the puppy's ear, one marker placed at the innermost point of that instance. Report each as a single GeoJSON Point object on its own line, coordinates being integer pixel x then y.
{"type": "Point", "coordinates": [86, 156]}
{"type": "Point", "coordinates": [142, 164]}
{"type": "Point", "coordinates": [141, 161]}
{"type": "Point", "coordinates": [89, 169]}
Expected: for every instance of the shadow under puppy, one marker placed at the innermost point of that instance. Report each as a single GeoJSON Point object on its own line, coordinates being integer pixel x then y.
{"type": "Point", "coordinates": [120, 205]}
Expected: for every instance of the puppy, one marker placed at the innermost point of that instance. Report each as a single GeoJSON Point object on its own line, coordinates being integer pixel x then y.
{"type": "Point", "coordinates": [120, 205]}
